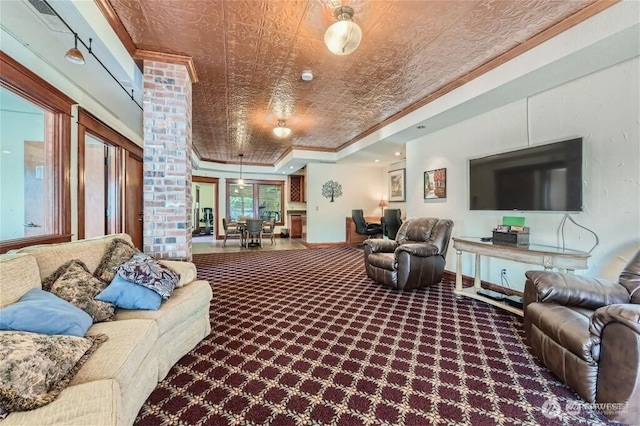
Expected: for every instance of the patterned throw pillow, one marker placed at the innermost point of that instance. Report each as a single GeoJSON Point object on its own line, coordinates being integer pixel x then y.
{"type": "Point", "coordinates": [148, 272]}
{"type": "Point", "coordinates": [118, 252]}
{"type": "Point", "coordinates": [35, 368]}
{"type": "Point", "coordinates": [74, 283]}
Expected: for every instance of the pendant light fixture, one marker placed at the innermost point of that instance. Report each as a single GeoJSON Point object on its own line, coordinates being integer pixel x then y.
{"type": "Point", "coordinates": [74, 55]}
{"type": "Point", "coordinates": [343, 37]}
{"type": "Point", "coordinates": [282, 131]}
{"type": "Point", "coordinates": [241, 181]}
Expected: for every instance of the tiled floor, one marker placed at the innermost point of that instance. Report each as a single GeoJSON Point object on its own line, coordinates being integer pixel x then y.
{"type": "Point", "coordinates": [206, 244]}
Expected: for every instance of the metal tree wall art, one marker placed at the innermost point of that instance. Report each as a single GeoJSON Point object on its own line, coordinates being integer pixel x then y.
{"type": "Point", "coordinates": [331, 190]}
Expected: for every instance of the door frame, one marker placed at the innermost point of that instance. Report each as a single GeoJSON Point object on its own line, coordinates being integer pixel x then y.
{"type": "Point", "coordinates": [216, 197]}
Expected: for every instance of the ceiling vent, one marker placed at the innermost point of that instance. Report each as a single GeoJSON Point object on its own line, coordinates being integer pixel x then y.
{"type": "Point", "coordinates": [48, 16]}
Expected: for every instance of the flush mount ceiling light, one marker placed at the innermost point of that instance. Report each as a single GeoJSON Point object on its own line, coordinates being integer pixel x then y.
{"type": "Point", "coordinates": [281, 130]}
{"type": "Point", "coordinates": [343, 37]}
{"type": "Point", "coordinates": [74, 55]}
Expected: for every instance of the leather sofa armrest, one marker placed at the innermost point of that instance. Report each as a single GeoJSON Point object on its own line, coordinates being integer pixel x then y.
{"type": "Point", "coordinates": [379, 245]}
{"type": "Point", "coordinates": [574, 290]}
{"type": "Point", "coordinates": [419, 249]}
{"type": "Point", "coordinates": [186, 270]}
{"type": "Point", "coordinates": [626, 313]}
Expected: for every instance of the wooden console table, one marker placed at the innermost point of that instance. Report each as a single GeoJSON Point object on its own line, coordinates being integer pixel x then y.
{"type": "Point", "coordinates": [547, 256]}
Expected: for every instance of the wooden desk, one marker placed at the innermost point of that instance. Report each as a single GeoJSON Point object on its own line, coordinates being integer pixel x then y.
{"type": "Point", "coordinates": [547, 256]}
{"type": "Point", "coordinates": [352, 237]}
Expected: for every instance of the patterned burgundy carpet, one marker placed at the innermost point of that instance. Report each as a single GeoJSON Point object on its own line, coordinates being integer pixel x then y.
{"type": "Point", "coordinates": [303, 337]}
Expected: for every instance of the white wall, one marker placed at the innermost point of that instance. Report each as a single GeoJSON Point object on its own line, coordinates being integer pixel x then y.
{"type": "Point", "coordinates": [604, 109]}
{"type": "Point", "coordinates": [361, 189]}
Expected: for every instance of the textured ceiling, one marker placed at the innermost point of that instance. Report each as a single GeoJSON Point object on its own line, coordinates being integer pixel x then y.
{"type": "Point", "coordinates": [249, 56]}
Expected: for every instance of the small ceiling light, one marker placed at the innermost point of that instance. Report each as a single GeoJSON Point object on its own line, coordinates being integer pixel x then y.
{"type": "Point", "coordinates": [281, 130]}
{"type": "Point", "coordinates": [240, 181]}
{"type": "Point", "coordinates": [307, 75]}
{"type": "Point", "coordinates": [376, 161]}
{"type": "Point", "coordinates": [74, 55]}
{"type": "Point", "coordinates": [343, 37]}
{"type": "Point", "coordinates": [291, 167]}
{"type": "Point", "coordinates": [397, 154]}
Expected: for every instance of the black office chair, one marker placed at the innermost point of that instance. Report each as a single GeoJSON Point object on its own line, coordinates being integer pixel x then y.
{"type": "Point", "coordinates": [364, 228]}
{"type": "Point", "coordinates": [391, 222]}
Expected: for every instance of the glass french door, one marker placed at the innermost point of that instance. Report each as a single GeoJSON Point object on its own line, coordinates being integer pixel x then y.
{"type": "Point", "coordinates": [100, 188]}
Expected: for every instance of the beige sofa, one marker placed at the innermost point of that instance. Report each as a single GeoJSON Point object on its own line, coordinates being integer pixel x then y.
{"type": "Point", "coordinates": [142, 346]}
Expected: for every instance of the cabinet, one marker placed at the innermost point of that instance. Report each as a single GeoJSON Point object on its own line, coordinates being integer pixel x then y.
{"type": "Point", "coordinates": [296, 189]}
{"type": "Point", "coordinates": [296, 226]}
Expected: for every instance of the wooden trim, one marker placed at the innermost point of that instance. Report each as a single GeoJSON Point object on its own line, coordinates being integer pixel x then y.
{"type": "Point", "coordinates": [187, 61]}
{"type": "Point", "coordinates": [468, 282]}
{"type": "Point", "coordinates": [19, 243]}
{"type": "Point", "coordinates": [81, 181]}
{"type": "Point", "coordinates": [538, 39]}
{"type": "Point", "coordinates": [324, 245]}
{"type": "Point", "coordinates": [24, 82]}
{"type": "Point", "coordinates": [204, 179]}
{"type": "Point", "coordinates": [104, 131]}
{"type": "Point", "coordinates": [116, 25]}
{"type": "Point", "coordinates": [216, 181]}
{"type": "Point", "coordinates": [20, 80]}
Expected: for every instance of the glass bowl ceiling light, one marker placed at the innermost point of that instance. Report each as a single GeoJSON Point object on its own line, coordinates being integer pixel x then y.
{"type": "Point", "coordinates": [343, 37]}
{"type": "Point", "coordinates": [281, 130]}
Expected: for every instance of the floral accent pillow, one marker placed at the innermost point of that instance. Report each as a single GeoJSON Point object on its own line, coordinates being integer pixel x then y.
{"type": "Point", "coordinates": [118, 252]}
{"type": "Point", "coordinates": [148, 272]}
{"type": "Point", "coordinates": [74, 283]}
{"type": "Point", "coordinates": [35, 367]}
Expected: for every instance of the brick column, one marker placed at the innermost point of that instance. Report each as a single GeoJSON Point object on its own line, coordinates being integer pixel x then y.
{"type": "Point", "coordinates": [167, 160]}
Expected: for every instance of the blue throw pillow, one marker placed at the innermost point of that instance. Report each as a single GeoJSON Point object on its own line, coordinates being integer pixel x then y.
{"type": "Point", "coordinates": [128, 295]}
{"type": "Point", "coordinates": [39, 311]}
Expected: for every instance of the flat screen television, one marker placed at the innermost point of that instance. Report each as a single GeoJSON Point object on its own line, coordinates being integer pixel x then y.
{"type": "Point", "coordinates": [540, 178]}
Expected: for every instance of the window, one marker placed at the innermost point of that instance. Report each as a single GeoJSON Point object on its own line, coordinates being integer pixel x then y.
{"type": "Point", "coordinates": [263, 199]}
{"type": "Point", "coordinates": [34, 159]}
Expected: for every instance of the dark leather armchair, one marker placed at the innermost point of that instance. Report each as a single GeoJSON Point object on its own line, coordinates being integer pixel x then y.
{"type": "Point", "coordinates": [587, 332]}
{"type": "Point", "coordinates": [362, 226]}
{"type": "Point", "coordinates": [415, 259]}
{"type": "Point", "coordinates": [391, 222]}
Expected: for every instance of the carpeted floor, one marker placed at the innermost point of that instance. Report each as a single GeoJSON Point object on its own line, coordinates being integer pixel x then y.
{"type": "Point", "coordinates": [304, 337]}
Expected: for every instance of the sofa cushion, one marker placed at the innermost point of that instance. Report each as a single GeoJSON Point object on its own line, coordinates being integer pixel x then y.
{"type": "Point", "coordinates": [35, 368]}
{"type": "Point", "coordinates": [186, 270]}
{"type": "Point", "coordinates": [568, 327]}
{"type": "Point", "coordinates": [118, 252]}
{"type": "Point", "coordinates": [148, 272]}
{"type": "Point", "coordinates": [128, 295]}
{"type": "Point", "coordinates": [120, 357]}
{"type": "Point", "coordinates": [39, 311]}
{"type": "Point", "coordinates": [89, 251]}
{"type": "Point", "coordinates": [19, 274]}
{"type": "Point", "coordinates": [183, 303]}
{"type": "Point", "coordinates": [74, 283]}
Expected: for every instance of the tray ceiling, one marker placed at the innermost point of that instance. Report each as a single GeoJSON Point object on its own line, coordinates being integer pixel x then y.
{"type": "Point", "coordinates": [249, 56]}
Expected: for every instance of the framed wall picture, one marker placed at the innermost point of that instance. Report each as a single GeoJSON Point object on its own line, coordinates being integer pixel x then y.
{"type": "Point", "coordinates": [435, 184]}
{"type": "Point", "coordinates": [396, 185]}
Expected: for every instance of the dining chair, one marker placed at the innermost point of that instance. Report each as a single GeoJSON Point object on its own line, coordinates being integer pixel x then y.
{"type": "Point", "coordinates": [269, 230]}
{"type": "Point", "coordinates": [232, 231]}
{"type": "Point", "coordinates": [253, 230]}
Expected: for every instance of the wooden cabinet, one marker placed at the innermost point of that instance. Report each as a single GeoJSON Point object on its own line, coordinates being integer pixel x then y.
{"type": "Point", "coordinates": [296, 189]}
{"type": "Point", "coordinates": [296, 226]}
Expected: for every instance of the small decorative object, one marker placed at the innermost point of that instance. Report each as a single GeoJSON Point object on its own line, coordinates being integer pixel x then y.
{"type": "Point", "coordinates": [435, 184]}
{"type": "Point", "coordinates": [332, 190]}
{"type": "Point", "coordinates": [396, 185]}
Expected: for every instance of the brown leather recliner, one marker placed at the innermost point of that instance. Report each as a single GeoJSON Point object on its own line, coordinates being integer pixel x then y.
{"type": "Point", "coordinates": [415, 259]}
{"type": "Point", "coordinates": [587, 332]}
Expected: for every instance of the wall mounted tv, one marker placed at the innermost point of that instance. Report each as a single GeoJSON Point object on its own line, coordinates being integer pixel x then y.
{"type": "Point", "coordinates": [540, 178]}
